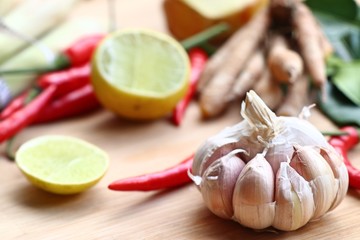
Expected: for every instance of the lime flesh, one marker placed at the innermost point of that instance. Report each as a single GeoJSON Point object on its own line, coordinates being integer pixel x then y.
{"type": "Point", "coordinates": [61, 164]}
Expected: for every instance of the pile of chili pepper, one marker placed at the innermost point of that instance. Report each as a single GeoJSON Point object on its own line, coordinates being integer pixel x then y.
{"type": "Point", "coordinates": [178, 175]}
{"type": "Point", "coordinates": [68, 92]}
{"type": "Point", "coordinates": [61, 94]}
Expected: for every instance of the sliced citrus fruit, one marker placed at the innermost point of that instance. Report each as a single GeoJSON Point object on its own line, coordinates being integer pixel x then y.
{"type": "Point", "coordinates": [61, 164]}
{"type": "Point", "coordinates": [140, 74]}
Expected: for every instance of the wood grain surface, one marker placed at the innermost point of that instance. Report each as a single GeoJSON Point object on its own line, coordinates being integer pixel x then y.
{"type": "Point", "coordinates": [137, 148]}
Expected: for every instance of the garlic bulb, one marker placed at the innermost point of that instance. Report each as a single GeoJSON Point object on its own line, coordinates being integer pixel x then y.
{"type": "Point", "coordinates": [269, 171]}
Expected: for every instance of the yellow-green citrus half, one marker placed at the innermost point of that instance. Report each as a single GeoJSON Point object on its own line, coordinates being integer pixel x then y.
{"type": "Point", "coordinates": [61, 164]}
{"type": "Point", "coordinates": [140, 74]}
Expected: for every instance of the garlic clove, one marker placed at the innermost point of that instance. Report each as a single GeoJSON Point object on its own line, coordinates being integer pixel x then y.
{"type": "Point", "coordinates": [218, 184]}
{"type": "Point", "coordinates": [343, 186]}
{"type": "Point", "coordinates": [313, 167]}
{"type": "Point", "coordinates": [324, 194]}
{"type": "Point", "coordinates": [258, 216]}
{"type": "Point", "coordinates": [294, 199]}
{"type": "Point", "coordinates": [338, 167]}
{"type": "Point", "coordinates": [277, 154]}
{"type": "Point", "coordinates": [253, 198]}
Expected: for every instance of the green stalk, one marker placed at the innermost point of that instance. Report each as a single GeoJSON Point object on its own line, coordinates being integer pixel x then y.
{"type": "Point", "coordinates": [338, 133]}
{"type": "Point", "coordinates": [30, 70]}
{"type": "Point", "coordinates": [59, 63]}
{"type": "Point", "coordinates": [204, 36]}
{"type": "Point", "coordinates": [334, 133]}
{"type": "Point", "coordinates": [208, 48]}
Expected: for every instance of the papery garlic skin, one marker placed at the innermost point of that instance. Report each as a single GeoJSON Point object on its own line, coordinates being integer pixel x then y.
{"type": "Point", "coordinates": [239, 136]}
{"type": "Point", "coordinates": [270, 171]}
{"type": "Point", "coordinates": [293, 131]}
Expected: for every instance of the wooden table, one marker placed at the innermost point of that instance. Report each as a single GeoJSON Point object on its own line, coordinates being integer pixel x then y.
{"type": "Point", "coordinates": [137, 148]}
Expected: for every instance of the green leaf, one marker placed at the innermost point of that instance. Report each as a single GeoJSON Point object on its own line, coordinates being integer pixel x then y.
{"type": "Point", "coordinates": [347, 78]}
{"type": "Point", "coordinates": [337, 30]}
{"type": "Point", "coordinates": [353, 42]}
{"type": "Point", "coordinates": [339, 108]}
{"type": "Point", "coordinates": [346, 9]}
{"type": "Point", "coordinates": [340, 20]}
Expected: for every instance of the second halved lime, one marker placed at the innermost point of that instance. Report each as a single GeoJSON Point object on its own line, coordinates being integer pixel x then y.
{"type": "Point", "coordinates": [140, 74]}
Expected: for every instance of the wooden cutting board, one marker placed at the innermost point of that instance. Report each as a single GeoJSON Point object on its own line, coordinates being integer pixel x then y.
{"type": "Point", "coordinates": [137, 148]}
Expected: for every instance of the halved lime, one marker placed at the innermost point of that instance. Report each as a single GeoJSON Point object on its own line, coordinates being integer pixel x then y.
{"type": "Point", "coordinates": [140, 74]}
{"type": "Point", "coordinates": [61, 164]}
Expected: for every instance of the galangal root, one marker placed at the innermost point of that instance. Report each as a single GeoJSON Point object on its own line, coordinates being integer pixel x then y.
{"type": "Point", "coordinates": [281, 46]}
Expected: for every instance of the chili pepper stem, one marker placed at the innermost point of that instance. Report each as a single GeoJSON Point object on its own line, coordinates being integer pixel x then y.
{"type": "Point", "coordinates": [337, 133]}
{"type": "Point", "coordinates": [334, 133]}
{"type": "Point", "coordinates": [10, 153]}
{"type": "Point", "coordinates": [60, 62]}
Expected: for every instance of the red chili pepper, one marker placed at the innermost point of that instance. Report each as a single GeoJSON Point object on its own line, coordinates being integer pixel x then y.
{"type": "Point", "coordinates": [77, 102]}
{"type": "Point", "coordinates": [342, 145]}
{"type": "Point", "coordinates": [172, 177]}
{"type": "Point", "coordinates": [15, 104]}
{"type": "Point", "coordinates": [198, 58]}
{"type": "Point", "coordinates": [81, 51]}
{"type": "Point", "coordinates": [77, 55]}
{"type": "Point", "coordinates": [66, 80]}
{"type": "Point", "coordinates": [23, 117]}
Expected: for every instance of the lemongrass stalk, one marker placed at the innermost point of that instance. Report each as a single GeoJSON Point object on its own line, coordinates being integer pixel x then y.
{"type": "Point", "coordinates": [28, 21]}
{"type": "Point", "coordinates": [34, 57]}
{"type": "Point", "coordinates": [7, 5]}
